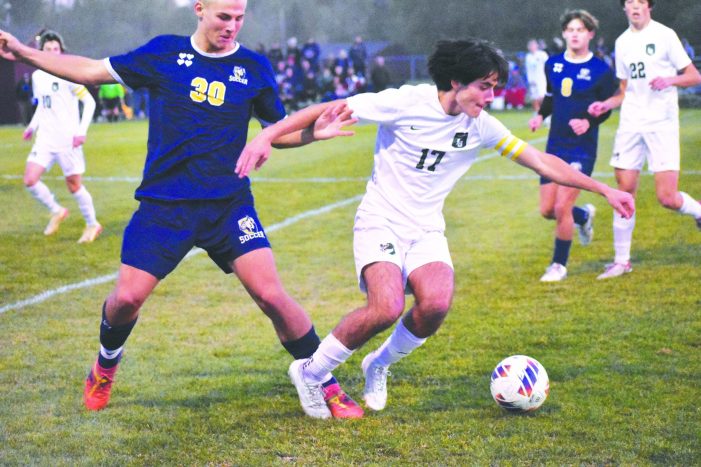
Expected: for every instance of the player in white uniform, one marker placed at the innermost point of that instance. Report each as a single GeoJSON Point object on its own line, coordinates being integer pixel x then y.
{"type": "Point", "coordinates": [60, 134]}
{"type": "Point", "coordinates": [651, 63]}
{"type": "Point", "coordinates": [428, 137]}
{"type": "Point", "coordinates": [534, 63]}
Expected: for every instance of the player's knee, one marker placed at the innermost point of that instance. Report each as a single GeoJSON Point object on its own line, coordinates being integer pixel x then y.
{"type": "Point", "coordinates": [547, 212]}
{"type": "Point", "coordinates": [30, 180]}
{"type": "Point", "coordinates": [435, 307]}
{"type": "Point", "coordinates": [388, 312]}
{"type": "Point", "coordinates": [668, 200]}
{"type": "Point", "coordinates": [127, 302]}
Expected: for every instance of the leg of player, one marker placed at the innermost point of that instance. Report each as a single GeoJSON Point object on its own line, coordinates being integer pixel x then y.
{"type": "Point", "coordinates": [433, 286]}
{"type": "Point", "coordinates": [119, 314]}
{"type": "Point", "coordinates": [669, 196]}
{"type": "Point", "coordinates": [564, 202]}
{"type": "Point", "coordinates": [42, 193]}
{"type": "Point", "coordinates": [257, 272]}
{"type": "Point", "coordinates": [385, 304]}
{"type": "Point", "coordinates": [622, 228]}
{"type": "Point", "coordinates": [87, 209]}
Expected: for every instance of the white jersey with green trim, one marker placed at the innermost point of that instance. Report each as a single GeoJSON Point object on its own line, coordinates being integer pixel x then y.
{"type": "Point", "coordinates": [642, 56]}
{"type": "Point", "coordinates": [421, 152]}
{"type": "Point", "coordinates": [57, 117]}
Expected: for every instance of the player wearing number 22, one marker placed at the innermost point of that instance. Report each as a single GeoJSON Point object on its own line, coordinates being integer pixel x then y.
{"type": "Point", "coordinates": [203, 90]}
{"type": "Point", "coordinates": [428, 137]}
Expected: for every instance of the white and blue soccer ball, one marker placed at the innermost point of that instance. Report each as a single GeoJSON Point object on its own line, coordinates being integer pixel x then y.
{"type": "Point", "coordinates": [519, 384]}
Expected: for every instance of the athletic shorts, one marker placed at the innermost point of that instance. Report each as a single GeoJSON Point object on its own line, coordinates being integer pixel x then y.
{"type": "Point", "coordinates": [71, 161]}
{"type": "Point", "coordinates": [659, 148]}
{"type": "Point", "coordinates": [161, 233]}
{"type": "Point", "coordinates": [537, 89]}
{"type": "Point", "coordinates": [111, 104]}
{"type": "Point", "coordinates": [376, 239]}
{"type": "Point", "coordinates": [579, 160]}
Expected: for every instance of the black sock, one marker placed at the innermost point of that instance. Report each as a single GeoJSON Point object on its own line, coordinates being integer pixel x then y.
{"type": "Point", "coordinates": [112, 338]}
{"type": "Point", "coordinates": [304, 347]}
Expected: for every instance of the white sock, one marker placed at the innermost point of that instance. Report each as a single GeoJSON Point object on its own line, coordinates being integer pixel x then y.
{"type": "Point", "coordinates": [84, 200]}
{"type": "Point", "coordinates": [328, 356]}
{"type": "Point", "coordinates": [690, 206]}
{"type": "Point", "coordinates": [110, 354]}
{"type": "Point", "coordinates": [41, 193]}
{"type": "Point", "coordinates": [622, 237]}
{"type": "Point", "coordinates": [398, 345]}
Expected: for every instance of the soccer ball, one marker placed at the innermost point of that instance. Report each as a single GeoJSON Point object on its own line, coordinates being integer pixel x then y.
{"type": "Point", "coordinates": [519, 384]}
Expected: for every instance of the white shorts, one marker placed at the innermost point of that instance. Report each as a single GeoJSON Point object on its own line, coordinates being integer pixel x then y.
{"type": "Point", "coordinates": [536, 89]}
{"type": "Point", "coordinates": [71, 161]}
{"type": "Point", "coordinates": [376, 239]}
{"type": "Point", "coordinates": [660, 148]}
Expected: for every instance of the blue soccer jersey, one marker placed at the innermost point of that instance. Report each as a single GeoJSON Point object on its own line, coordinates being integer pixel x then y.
{"type": "Point", "coordinates": [573, 86]}
{"type": "Point", "coordinates": [200, 107]}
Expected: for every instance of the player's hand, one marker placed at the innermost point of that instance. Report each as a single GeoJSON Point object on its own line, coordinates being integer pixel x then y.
{"type": "Point", "coordinates": [78, 141]}
{"type": "Point", "coordinates": [8, 46]}
{"type": "Point", "coordinates": [622, 201]}
{"type": "Point", "coordinates": [659, 83]}
{"type": "Point", "coordinates": [535, 122]}
{"type": "Point", "coordinates": [332, 121]}
{"type": "Point", "coordinates": [27, 135]}
{"type": "Point", "coordinates": [253, 156]}
{"type": "Point", "coordinates": [579, 126]}
{"type": "Point", "coordinates": [598, 108]}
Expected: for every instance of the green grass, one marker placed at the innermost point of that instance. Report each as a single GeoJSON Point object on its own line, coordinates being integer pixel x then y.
{"type": "Point", "coordinates": [204, 378]}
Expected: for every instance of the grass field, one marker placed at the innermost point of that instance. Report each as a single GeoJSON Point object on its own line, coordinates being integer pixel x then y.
{"type": "Point", "coordinates": [204, 379]}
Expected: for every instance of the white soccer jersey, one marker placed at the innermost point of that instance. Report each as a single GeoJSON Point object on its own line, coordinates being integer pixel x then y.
{"type": "Point", "coordinates": [642, 56]}
{"type": "Point", "coordinates": [535, 67]}
{"type": "Point", "coordinates": [57, 117]}
{"type": "Point", "coordinates": [421, 152]}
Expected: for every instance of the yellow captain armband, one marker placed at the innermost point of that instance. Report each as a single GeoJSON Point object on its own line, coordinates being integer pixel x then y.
{"type": "Point", "coordinates": [510, 146]}
{"type": "Point", "coordinates": [80, 92]}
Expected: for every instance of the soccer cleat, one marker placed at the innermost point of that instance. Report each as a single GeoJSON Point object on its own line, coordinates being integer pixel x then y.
{"type": "Point", "coordinates": [90, 233]}
{"type": "Point", "coordinates": [55, 221]}
{"type": "Point", "coordinates": [311, 395]}
{"type": "Point", "coordinates": [615, 270]}
{"type": "Point", "coordinates": [340, 404]}
{"type": "Point", "coordinates": [586, 230]}
{"type": "Point", "coordinates": [554, 273]}
{"type": "Point", "coordinates": [98, 386]}
{"type": "Point", "coordinates": [375, 393]}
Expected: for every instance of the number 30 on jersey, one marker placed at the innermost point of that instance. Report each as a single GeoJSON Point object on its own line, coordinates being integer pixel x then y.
{"type": "Point", "coordinates": [205, 91]}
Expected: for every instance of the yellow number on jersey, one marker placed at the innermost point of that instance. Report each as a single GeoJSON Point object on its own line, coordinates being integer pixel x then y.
{"type": "Point", "coordinates": [566, 87]}
{"type": "Point", "coordinates": [212, 92]}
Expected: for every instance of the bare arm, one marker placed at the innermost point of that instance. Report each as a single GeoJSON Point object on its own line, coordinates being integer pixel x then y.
{"type": "Point", "coordinates": [70, 67]}
{"type": "Point", "coordinates": [601, 107]}
{"type": "Point", "coordinates": [688, 77]}
{"type": "Point", "coordinates": [557, 170]}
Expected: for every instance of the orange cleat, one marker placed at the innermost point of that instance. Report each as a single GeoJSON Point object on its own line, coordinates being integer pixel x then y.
{"type": "Point", "coordinates": [340, 404]}
{"type": "Point", "coordinates": [98, 386]}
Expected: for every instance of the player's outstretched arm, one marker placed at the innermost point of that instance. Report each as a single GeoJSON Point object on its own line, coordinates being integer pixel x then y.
{"type": "Point", "coordinates": [70, 67]}
{"type": "Point", "coordinates": [560, 172]}
{"type": "Point", "coordinates": [314, 123]}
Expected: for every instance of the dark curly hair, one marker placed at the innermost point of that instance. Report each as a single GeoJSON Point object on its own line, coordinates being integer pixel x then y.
{"type": "Point", "coordinates": [465, 61]}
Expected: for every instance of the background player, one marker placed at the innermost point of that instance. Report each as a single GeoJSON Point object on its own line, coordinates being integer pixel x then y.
{"type": "Point", "coordinates": [576, 78]}
{"type": "Point", "coordinates": [60, 134]}
{"type": "Point", "coordinates": [534, 62]}
{"type": "Point", "coordinates": [203, 91]}
{"type": "Point", "coordinates": [651, 63]}
{"type": "Point", "coordinates": [428, 137]}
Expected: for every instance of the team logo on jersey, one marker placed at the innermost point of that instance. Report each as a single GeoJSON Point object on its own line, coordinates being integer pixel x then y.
{"type": "Point", "coordinates": [557, 67]}
{"type": "Point", "coordinates": [650, 49]}
{"type": "Point", "coordinates": [585, 74]}
{"type": "Point", "coordinates": [239, 75]}
{"type": "Point", "coordinates": [54, 87]}
{"type": "Point", "coordinates": [460, 140]}
{"type": "Point", "coordinates": [387, 248]}
{"type": "Point", "coordinates": [185, 59]}
{"type": "Point", "coordinates": [250, 230]}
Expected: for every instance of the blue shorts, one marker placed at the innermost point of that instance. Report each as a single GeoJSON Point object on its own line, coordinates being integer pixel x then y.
{"type": "Point", "coordinates": [161, 233]}
{"type": "Point", "coordinates": [578, 159]}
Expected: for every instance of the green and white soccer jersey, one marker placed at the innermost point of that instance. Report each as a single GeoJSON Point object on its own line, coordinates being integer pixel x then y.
{"type": "Point", "coordinates": [421, 152]}
{"type": "Point", "coordinates": [642, 56]}
{"type": "Point", "coordinates": [57, 118]}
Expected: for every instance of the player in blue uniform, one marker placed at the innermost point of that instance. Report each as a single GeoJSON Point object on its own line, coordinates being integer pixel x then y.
{"type": "Point", "coordinates": [576, 78]}
{"type": "Point", "coordinates": [204, 90]}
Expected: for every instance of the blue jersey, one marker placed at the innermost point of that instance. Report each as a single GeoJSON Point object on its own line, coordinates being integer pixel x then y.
{"type": "Point", "coordinates": [200, 106]}
{"type": "Point", "coordinates": [573, 86]}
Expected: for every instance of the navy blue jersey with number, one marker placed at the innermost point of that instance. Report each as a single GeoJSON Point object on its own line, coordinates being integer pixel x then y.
{"type": "Point", "coordinates": [200, 107]}
{"type": "Point", "coordinates": [573, 87]}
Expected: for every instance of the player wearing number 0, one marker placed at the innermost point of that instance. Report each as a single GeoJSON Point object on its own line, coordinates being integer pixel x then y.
{"type": "Point", "coordinates": [60, 133]}
{"type": "Point", "coordinates": [651, 63]}
{"type": "Point", "coordinates": [428, 137]}
{"type": "Point", "coordinates": [575, 78]}
{"type": "Point", "coordinates": [204, 90]}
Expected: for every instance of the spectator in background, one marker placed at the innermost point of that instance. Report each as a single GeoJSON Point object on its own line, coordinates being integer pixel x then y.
{"type": "Point", "coordinates": [112, 99]}
{"type": "Point", "coordinates": [535, 73]}
{"type": "Point", "coordinates": [379, 75]}
{"type": "Point", "coordinates": [140, 103]}
{"type": "Point", "coordinates": [293, 50]}
{"type": "Point", "coordinates": [23, 93]}
{"type": "Point", "coordinates": [312, 53]}
{"type": "Point", "coordinates": [260, 48]}
{"type": "Point", "coordinates": [275, 54]}
{"type": "Point", "coordinates": [358, 55]}
{"type": "Point", "coordinates": [343, 61]}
